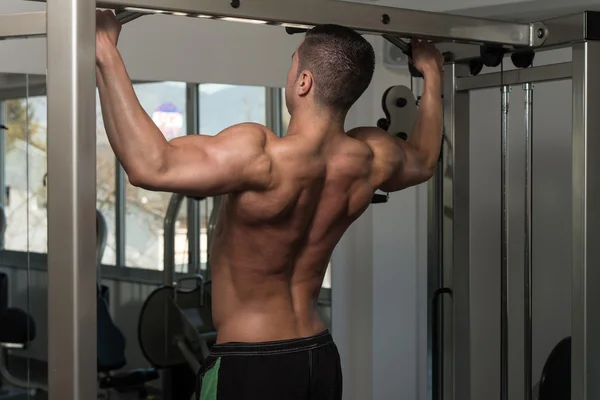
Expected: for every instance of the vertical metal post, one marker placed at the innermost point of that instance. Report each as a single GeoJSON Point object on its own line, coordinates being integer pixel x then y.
{"type": "Point", "coordinates": [193, 206]}
{"type": "Point", "coordinates": [3, 155]}
{"type": "Point", "coordinates": [585, 296]}
{"type": "Point", "coordinates": [456, 362]}
{"type": "Point", "coordinates": [72, 355]}
{"type": "Point", "coordinates": [273, 110]}
{"type": "Point", "coordinates": [120, 214]}
{"type": "Point", "coordinates": [504, 247]}
{"type": "Point", "coordinates": [528, 264]}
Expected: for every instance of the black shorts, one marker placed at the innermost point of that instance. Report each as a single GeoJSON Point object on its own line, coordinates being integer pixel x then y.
{"type": "Point", "coordinates": [306, 368]}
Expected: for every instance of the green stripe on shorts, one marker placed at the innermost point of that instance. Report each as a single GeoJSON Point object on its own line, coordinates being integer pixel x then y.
{"type": "Point", "coordinates": [210, 381]}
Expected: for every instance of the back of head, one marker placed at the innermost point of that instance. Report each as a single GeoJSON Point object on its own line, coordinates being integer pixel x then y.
{"type": "Point", "coordinates": [341, 62]}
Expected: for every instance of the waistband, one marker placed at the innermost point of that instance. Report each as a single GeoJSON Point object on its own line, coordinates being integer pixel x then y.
{"type": "Point", "coordinates": [272, 348]}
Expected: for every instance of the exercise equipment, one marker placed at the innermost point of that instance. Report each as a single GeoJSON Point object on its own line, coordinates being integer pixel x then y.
{"type": "Point", "coordinates": [400, 108]}
{"type": "Point", "coordinates": [555, 383]}
{"type": "Point", "coordinates": [17, 330]}
{"type": "Point", "coordinates": [175, 327]}
{"type": "Point", "coordinates": [111, 341]}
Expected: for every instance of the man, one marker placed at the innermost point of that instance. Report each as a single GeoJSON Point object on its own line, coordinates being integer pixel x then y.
{"type": "Point", "coordinates": [287, 202]}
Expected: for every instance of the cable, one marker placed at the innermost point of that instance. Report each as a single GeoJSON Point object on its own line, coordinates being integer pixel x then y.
{"type": "Point", "coordinates": [27, 179]}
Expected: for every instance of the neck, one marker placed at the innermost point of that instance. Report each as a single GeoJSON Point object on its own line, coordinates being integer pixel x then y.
{"type": "Point", "coordinates": [315, 122]}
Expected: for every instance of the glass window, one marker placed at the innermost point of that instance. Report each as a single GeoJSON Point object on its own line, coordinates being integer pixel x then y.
{"type": "Point", "coordinates": [105, 185]}
{"type": "Point", "coordinates": [165, 103]}
{"type": "Point", "coordinates": [24, 115]}
{"type": "Point", "coordinates": [222, 106]}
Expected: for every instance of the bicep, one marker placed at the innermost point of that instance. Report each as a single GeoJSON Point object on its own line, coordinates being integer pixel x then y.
{"type": "Point", "coordinates": [202, 166]}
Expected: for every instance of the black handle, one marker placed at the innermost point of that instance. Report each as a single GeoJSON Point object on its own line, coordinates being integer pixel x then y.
{"type": "Point", "coordinates": [293, 31]}
{"type": "Point", "coordinates": [437, 345]}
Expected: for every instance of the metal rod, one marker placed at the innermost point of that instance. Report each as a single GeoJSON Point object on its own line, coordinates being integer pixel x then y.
{"type": "Point", "coordinates": [528, 87]}
{"type": "Point", "coordinates": [544, 73]}
{"type": "Point", "coordinates": [212, 225]}
{"type": "Point", "coordinates": [504, 248]}
{"type": "Point", "coordinates": [3, 161]}
{"type": "Point", "coordinates": [120, 215]}
{"type": "Point", "coordinates": [273, 110]}
{"type": "Point", "coordinates": [193, 205]}
{"type": "Point", "coordinates": [361, 17]}
{"type": "Point", "coordinates": [169, 238]}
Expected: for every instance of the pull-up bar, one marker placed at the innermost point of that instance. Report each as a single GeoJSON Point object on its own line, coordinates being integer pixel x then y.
{"type": "Point", "coordinates": [365, 18]}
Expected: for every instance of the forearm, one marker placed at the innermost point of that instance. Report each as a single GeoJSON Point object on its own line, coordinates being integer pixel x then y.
{"type": "Point", "coordinates": [137, 142]}
{"type": "Point", "coordinates": [426, 136]}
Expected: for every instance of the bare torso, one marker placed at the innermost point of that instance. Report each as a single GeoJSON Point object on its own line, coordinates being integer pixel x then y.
{"type": "Point", "coordinates": [271, 249]}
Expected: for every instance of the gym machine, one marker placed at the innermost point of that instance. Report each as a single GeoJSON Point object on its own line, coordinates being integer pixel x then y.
{"type": "Point", "coordinates": [462, 37]}
{"type": "Point", "coordinates": [175, 328]}
{"type": "Point", "coordinates": [452, 219]}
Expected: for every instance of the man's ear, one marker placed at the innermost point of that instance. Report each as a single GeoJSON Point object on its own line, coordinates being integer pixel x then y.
{"type": "Point", "coordinates": [305, 83]}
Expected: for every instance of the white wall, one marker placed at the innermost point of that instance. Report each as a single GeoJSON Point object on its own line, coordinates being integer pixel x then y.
{"type": "Point", "coordinates": [379, 281]}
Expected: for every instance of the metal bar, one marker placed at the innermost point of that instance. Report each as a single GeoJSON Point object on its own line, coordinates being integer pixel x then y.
{"type": "Point", "coordinates": [456, 239]}
{"type": "Point", "coordinates": [169, 238]}
{"type": "Point", "coordinates": [34, 90]}
{"type": "Point", "coordinates": [21, 25]}
{"type": "Point", "coordinates": [504, 247]}
{"type": "Point", "coordinates": [120, 215]}
{"type": "Point", "coordinates": [71, 200]}
{"type": "Point", "coordinates": [362, 17]}
{"type": "Point", "coordinates": [2, 161]}
{"type": "Point", "coordinates": [273, 110]}
{"type": "Point", "coordinates": [435, 330]}
{"type": "Point", "coordinates": [212, 226]}
{"type": "Point", "coordinates": [528, 270]}
{"type": "Point", "coordinates": [545, 73]}
{"type": "Point", "coordinates": [193, 205]}
{"type": "Point", "coordinates": [585, 296]}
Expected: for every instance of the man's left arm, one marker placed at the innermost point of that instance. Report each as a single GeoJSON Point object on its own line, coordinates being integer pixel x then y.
{"type": "Point", "coordinates": [196, 165]}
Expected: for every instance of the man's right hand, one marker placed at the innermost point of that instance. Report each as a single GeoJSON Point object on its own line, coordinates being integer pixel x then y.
{"type": "Point", "coordinates": [426, 57]}
{"type": "Point", "coordinates": [108, 29]}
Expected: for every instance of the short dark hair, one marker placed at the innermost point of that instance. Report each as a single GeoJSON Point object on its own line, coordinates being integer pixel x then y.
{"type": "Point", "coordinates": [342, 63]}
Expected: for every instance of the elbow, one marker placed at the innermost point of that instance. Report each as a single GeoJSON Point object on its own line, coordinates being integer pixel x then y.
{"type": "Point", "coordinates": [142, 179]}
{"type": "Point", "coordinates": [428, 172]}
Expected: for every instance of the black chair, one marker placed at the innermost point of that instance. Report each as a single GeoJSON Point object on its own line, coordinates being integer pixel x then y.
{"type": "Point", "coordinates": [111, 341]}
{"type": "Point", "coordinates": [17, 330]}
{"type": "Point", "coordinates": [111, 355]}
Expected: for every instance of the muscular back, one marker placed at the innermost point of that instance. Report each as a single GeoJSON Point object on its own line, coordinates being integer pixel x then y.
{"type": "Point", "coordinates": [271, 247]}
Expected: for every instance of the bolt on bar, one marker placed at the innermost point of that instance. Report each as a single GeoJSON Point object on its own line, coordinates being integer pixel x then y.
{"type": "Point", "coordinates": [361, 17]}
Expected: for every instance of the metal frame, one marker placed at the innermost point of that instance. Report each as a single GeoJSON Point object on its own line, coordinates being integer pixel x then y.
{"type": "Point", "coordinates": [13, 26]}
{"type": "Point", "coordinates": [585, 374]}
{"type": "Point", "coordinates": [71, 200]}
{"type": "Point", "coordinates": [585, 358]}
{"type": "Point", "coordinates": [361, 17]}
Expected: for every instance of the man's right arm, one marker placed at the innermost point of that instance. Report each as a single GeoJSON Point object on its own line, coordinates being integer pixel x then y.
{"type": "Point", "coordinates": [404, 163]}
